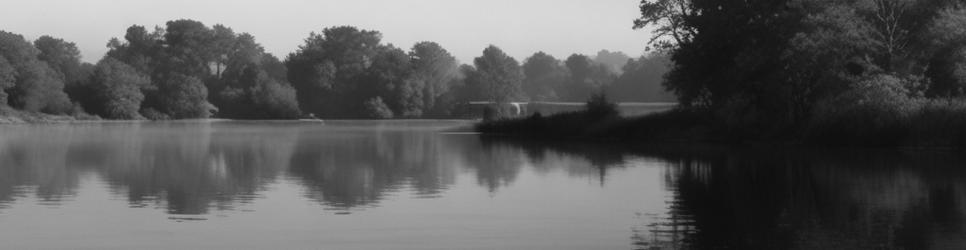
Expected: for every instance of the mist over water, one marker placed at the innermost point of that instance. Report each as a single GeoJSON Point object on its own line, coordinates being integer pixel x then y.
{"type": "Point", "coordinates": [410, 184]}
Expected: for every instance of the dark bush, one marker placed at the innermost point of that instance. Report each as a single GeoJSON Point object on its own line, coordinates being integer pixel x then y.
{"type": "Point", "coordinates": [598, 105]}
{"type": "Point", "coordinates": [375, 108]}
{"type": "Point", "coordinates": [877, 112]}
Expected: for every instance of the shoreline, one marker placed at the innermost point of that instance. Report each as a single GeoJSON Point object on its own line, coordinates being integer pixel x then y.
{"type": "Point", "coordinates": [17, 117]}
{"type": "Point", "coordinates": [678, 127]}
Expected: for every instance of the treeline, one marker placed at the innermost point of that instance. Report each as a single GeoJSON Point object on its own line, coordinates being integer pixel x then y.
{"type": "Point", "coordinates": [880, 72]}
{"type": "Point", "coordinates": [189, 70]}
{"type": "Point", "coordinates": [843, 72]}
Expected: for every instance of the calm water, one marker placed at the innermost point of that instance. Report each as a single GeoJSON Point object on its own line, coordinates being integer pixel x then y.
{"type": "Point", "coordinates": [408, 185]}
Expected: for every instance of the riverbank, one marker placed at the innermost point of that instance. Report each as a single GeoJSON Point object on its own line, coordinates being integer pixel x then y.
{"type": "Point", "coordinates": [12, 116]}
{"type": "Point", "coordinates": [927, 124]}
{"type": "Point", "coordinates": [674, 126]}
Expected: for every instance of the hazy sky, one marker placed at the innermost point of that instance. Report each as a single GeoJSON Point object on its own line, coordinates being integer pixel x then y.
{"type": "Point", "coordinates": [464, 27]}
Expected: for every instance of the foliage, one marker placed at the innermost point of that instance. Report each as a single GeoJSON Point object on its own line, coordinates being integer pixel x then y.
{"type": "Point", "coordinates": [780, 59]}
{"type": "Point", "coordinates": [586, 77]}
{"type": "Point", "coordinates": [874, 112]}
{"type": "Point", "coordinates": [35, 86]}
{"type": "Point", "coordinates": [679, 125]}
{"type": "Point", "coordinates": [117, 89]}
{"type": "Point", "coordinates": [882, 111]}
{"type": "Point", "coordinates": [8, 79]}
{"type": "Point", "coordinates": [389, 77]}
{"type": "Point", "coordinates": [251, 84]}
{"type": "Point", "coordinates": [375, 108]}
{"type": "Point", "coordinates": [615, 61]}
{"type": "Point", "coordinates": [63, 57]}
{"type": "Point", "coordinates": [337, 73]}
{"type": "Point", "coordinates": [178, 96]}
{"type": "Point", "coordinates": [598, 105]}
{"type": "Point", "coordinates": [544, 77]}
{"type": "Point", "coordinates": [235, 72]}
{"type": "Point", "coordinates": [275, 100]}
{"type": "Point", "coordinates": [642, 80]}
{"type": "Point", "coordinates": [439, 74]}
{"type": "Point", "coordinates": [497, 77]}
{"type": "Point", "coordinates": [845, 72]}
{"type": "Point", "coordinates": [328, 70]}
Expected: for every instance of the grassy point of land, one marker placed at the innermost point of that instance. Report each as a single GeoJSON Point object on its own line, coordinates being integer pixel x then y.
{"type": "Point", "coordinates": [10, 115]}
{"type": "Point", "coordinates": [915, 123]}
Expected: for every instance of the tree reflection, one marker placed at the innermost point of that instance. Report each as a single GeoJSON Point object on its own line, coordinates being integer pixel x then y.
{"type": "Point", "coordinates": [359, 167]}
{"type": "Point", "coordinates": [502, 157]}
{"type": "Point", "coordinates": [788, 198]}
{"type": "Point", "coordinates": [38, 164]}
{"type": "Point", "coordinates": [186, 167]}
{"type": "Point", "coordinates": [718, 198]}
{"type": "Point", "coordinates": [768, 199]}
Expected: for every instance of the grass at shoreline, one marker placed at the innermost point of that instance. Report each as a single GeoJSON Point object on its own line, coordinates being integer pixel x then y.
{"type": "Point", "coordinates": [932, 124]}
{"type": "Point", "coordinates": [10, 115]}
{"type": "Point", "coordinates": [676, 125]}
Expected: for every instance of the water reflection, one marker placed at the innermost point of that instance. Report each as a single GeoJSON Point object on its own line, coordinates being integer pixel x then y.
{"type": "Point", "coordinates": [810, 199]}
{"type": "Point", "coordinates": [186, 167]}
{"type": "Point", "coordinates": [192, 167]}
{"type": "Point", "coordinates": [705, 197]}
{"type": "Point", "coordinates": [358, 167]}
{"type": "Point", "coordinates": [858, 199]}
{"type": "Point", "coordinates": [791, 199]}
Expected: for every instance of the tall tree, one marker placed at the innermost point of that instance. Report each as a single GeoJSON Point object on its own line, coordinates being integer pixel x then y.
{"type": "Point", "coordinates": [725, 52]}
{"type": "Point", "coordinates": [326, 69]}
{"type": "Point", "coordinates": [946, 65]}
{"type": "Point", "coordinates": [614, 61]}
{"type": "Point", "coordinates": [390, 77]}
{"type": "Point", "coordinates": [437, 71]}
{"type": "Point", "coordinates": [140, 48]}
{"type": "Point", "coordinates": [642, 81]}
{"type": "Point", "coordinates": [250, 84]}
{"type": "Point", "coordinates": [65, 59]}
{"type": "Point", "coordinates": [497, 77]}
{"type": "Point", "coordinates": [189, 49]}
{"type": "Point", "coordinates": [62, 56]}
{"type": "Point", "coordinates": [36, 86]}
{"type": "Point", "coordinates": [178, 96]}
{"type": "Point", "coordinates": [544, 77]}
{"type": "Point", "coordinates": [587, 77]}
{"type": "Point", "coordinates": [117, 88]}
{"type": "Point", "coordinates": [8, 79]}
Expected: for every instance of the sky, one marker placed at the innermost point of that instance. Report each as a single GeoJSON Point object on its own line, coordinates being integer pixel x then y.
{"type": "Point", "coordinates": [464, 27]}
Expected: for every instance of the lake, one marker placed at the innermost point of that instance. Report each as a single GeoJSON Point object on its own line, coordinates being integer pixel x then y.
{"type": "Point", "coordinates": [413, 185]}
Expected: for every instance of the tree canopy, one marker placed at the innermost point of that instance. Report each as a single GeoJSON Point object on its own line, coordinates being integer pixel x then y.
{"type": "Point", "coordinates": [185, 69]}
{"type": "Point", "coordinates": [775, 60]}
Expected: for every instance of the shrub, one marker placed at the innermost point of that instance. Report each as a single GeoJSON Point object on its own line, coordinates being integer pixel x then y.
{"type": "Point", "coordinates": [117, 89]}
{"type": "Point", "coordinates": [153, 114]}
{"type": "Point", "coordinates": [875, 112]}
{"type": "Point", "coordinates": [275, 100]}
{"type": "Point", "coordinates": [598, 105]}
{"type": "Point", "coordinates": [375, 108]}
{"type": "Point", "coordinates": [939, 123]}
{"type": "Point", "coordinates": [29, 83]}
{"type": "Point", "coordinates": [183, 97]}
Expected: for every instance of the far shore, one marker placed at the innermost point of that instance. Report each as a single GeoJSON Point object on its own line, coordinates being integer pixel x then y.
{"type": "Point", "coordinates": [16, 117]}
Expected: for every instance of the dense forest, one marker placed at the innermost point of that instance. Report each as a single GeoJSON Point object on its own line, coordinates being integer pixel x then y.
{"type": "Point", "coordinates": [869, 71]}
{"type": "Point", "coordinates": [189, 70]}
{"type": "Point", "coordinates": [854, 72]}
